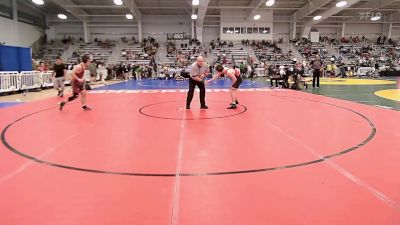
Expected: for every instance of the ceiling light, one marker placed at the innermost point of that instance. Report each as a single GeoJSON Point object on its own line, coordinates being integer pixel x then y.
{"type": "Point", "coordinates": [341, 4]}
{"type": "Point", "coordinates": [62, 16]}
{"type": "Point", "coordinates": [270, 3]}
{"type": "Point", "coordinates": [375, 18]}
{"type": "Point", "coordinates": [194, 17]}
{"type": "Point", "coordinates": [195, 2]}
{"type": "Point", "coordinates": [317, 17]}
{"type": "Point", "coordinates": [118, 2]}
{"type": "Point", "coordinates": [129, 16]}
{"type": "Point", "coordinates": [38, 2]}
{"type": "Point", "coordinates": [256, 17]}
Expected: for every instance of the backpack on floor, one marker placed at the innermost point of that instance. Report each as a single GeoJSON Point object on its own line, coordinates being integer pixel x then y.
{"type": "Point", "coordinates": [87, 86]}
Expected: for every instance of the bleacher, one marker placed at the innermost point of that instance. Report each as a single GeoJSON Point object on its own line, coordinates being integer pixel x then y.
{"type": "Point", "coordinates": [134, 54]}
{"type": "Point", "coordinates": [230, 55]}
{"type": "Point", "coordinates": [270, 56]}
{"type": "Point", "coordinates": [183, 56]}
{"type": "Point", "coordinates": [50, 51]}
{"type": "Point", "coordinates": [99, 52]}
{"type": "Point", "coordinates": [316, 49]}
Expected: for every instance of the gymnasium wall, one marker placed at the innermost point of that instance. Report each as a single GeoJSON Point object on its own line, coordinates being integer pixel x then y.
{"type": "Point", "coordinates": [155, 26]}
{"type": "Point", "coordinates": [329, 31]}
{"type": "Point", "coordinates": [159, 26]}
{"type": "Point", "coordinates": [369, 30]}
{"type": "Point", "coordinates": [396, 33]}
{"type": "Point", "coordinates": [281, 30]}
{"type": "Point", "coordinates": [76, 30]}
{"type": "Point", "coordinates": [240, 18]}
{"type": "Point", "coordinates": [210, 33]}
{"type": "Point", "coordinates": [113, 33]}
{"type": "Point", "coordinates": [60, 31]}
{"type": "Point", "coordinates": [18, 34]}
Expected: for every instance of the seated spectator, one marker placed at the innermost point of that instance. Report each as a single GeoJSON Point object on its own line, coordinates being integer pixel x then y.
{"type": "Point", "coordinates": [42, 67]}
{"type": "Point", "coordinates": [274, 75]}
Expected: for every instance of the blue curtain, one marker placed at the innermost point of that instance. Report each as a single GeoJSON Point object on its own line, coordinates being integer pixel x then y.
{"type": "Point", "coordinates": [25, 59]}
{"type": "Point", "coordinates": [15, 58]}
{"type": "Point", "coordinates": [9, 60]}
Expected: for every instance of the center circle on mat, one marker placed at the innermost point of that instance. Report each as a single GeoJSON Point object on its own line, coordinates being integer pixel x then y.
{"type": "Point", "coordinates": [176, 110]}
{"type": "Point", "coordinates": [36, 157]}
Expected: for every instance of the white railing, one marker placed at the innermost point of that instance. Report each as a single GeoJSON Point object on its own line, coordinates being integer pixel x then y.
{"type": "Point", "coordinates": [25, 80]}
{"type": "Point", "coordinates": [9, 81]}
{"type": "Point", "coordinates": [102, 74]}
{"type": "Point", "coordinates": [365, 71]}
{"type": "Point", "coordinates": [47, 79]}
{"type": "Point", "coordinates": [30, 80]}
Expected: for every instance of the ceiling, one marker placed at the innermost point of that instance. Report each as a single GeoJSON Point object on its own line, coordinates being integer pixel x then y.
{"type": "Point", "coordinates": [104, 10]}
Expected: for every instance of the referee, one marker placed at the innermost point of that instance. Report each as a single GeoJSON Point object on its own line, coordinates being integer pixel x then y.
{"type": "Point", "coordinates": [198, 71]}
{"type": "Point", "coordinates": [317, 67]}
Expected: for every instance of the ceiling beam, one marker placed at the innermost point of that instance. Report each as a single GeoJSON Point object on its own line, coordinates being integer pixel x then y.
{"type": "Point", "coordinates": [33, 7]}
{"type": "Point", "coordinates": [324, 15]}
{"type": "Point", "coordinates": [201, 12]}
{"type": "Point", "coordinates": [131, 4]}
{"type": "Point", "coordinates": [255, 4]}
{"type": "Point", "coordinates": [112, 25]}
{"type": "Point", "coordinates": [309, 8]}
{"type": "Point", "coordinates": [377, 6]}
{"type": "Point", "coordinates": [94, 6]}
{"type": "Point", "coordinates": [76, 11]}
{"type": "Point", "coordinates": [330, 12]}
{"type": "Point", "coordinates": [220, 7]}
{"type": "Point", "coordinates": [172, 7]}
{"type": "Point", "coordinates": [102, 15]}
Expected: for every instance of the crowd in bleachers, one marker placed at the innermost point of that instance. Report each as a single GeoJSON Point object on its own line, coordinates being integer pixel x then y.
{"type": "Point", "coordinates": [136, 53]}
{"type": "Point", "coordinates": [273, 59]}
{"type": "Point", "coordinates": [220, 44]}
{"type": "Point", "coordinates": [271, 52]}
{"type": "Point", "coordinates": [49, 51]}
{"type": "Point", "coordinates": [99, 51]}
{"type": "Point", "coordinates": [184, 55]}
{"type": "Point", "coordinates": [130, 71]}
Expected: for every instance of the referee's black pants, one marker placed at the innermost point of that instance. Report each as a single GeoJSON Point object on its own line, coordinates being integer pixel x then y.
{"type": "Point", "coordinates": [316, 75]}
{"type": "Point", "coordinates": [192, 85]}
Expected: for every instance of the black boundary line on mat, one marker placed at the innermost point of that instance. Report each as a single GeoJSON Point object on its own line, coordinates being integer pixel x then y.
{"type": "Point", "coordinates": [368, 139]}
{"type": "Point", "coordinates": [171, 118]}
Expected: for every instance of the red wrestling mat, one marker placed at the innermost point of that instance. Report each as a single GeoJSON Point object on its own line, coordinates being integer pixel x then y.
{"type": "Point", "coordinates": [282, 157]}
